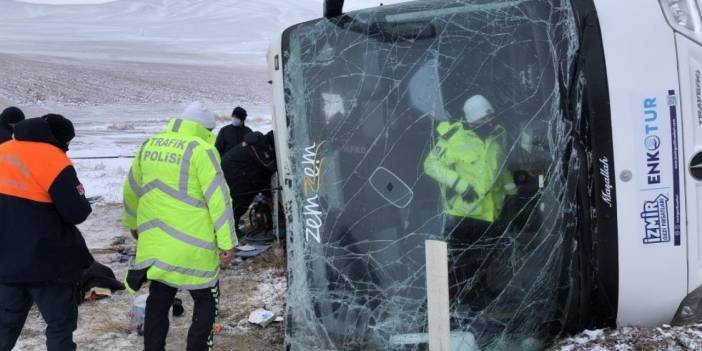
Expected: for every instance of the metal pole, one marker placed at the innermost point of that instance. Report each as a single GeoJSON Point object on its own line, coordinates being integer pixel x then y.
{"type": "Point", "coordinates": [438, 296]}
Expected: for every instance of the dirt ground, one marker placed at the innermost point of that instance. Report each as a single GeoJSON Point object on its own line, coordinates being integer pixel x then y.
{"type": "Point", "coordinates": [246, 285]}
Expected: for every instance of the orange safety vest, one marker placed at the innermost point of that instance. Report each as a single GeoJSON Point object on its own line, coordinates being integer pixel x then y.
{"type": "Point", "coordinates": [28, 169]}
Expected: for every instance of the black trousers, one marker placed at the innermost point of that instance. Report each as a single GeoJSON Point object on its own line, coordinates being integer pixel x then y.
{"type": "Point", "coordinates": [471, 244]}
{"type": "Point", "coordinates": [156, 324]}
{"type": "Point", "coordinates": [57, 304]}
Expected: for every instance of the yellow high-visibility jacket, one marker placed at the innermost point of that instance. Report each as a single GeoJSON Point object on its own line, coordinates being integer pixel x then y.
{"type": "Point", "coordinates": [178, 201]}
{"type": "Point", "coordinates": [473, 169]}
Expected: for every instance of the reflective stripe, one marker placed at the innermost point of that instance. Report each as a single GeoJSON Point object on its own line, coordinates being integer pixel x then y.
{"type": "Point", "coordinates": [135, 185]}
{"type": "Point", "coordinates": [232, 226]}
{"type": "Point", "coordinates": [225, 190]}
{"type": "Point", "coordinates": [221, 183]}
{"type": "Point", "coordinates": [169, 268]}
{"type": "Point", "coordinates": [217, 183]}
{"type": "Point", "coordinates": [219, 178]}
{"type": "Point", "coordinates": [211, 190]}
{"type": "Point", "coordinates": [215, 294]}
{"type": "Point", "coordinates": [232, 231]}
{"type": "Point", "coordinates": [213, 159]}
{"type": "Point", "coordinates": [141, 150]}
{"type": "Point", "coordinates": [176, 234]}
{"type": "Point", "coordinates": [226, 216]}
{"type": "Point", "coordinates": [185, 166]}
{"type": "Point", "coordinates": [157, 184]}
{"type": "Point", "coordinates": [176, 125]}
{"type": "Point", "coordinates": [132, 180]}
{"type": "Point", "coordinates": [130, 211]}
{"type": "Point", "coordinates": [227, 196]}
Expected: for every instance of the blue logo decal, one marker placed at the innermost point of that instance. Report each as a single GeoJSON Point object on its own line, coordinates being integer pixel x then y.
{"type": "Point", "coordinates": [655, 216]}
{"type": "Point", "coordinates": [652, 141]}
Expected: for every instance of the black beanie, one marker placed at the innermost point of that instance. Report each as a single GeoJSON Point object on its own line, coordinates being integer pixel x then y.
{"type": "Point", "coordinates": [61, 128]}
{"type": "Point", "coordinates": [11, 115]}
{"type": "Point", "coordinates": [239, 113]}
{"type": "Point", "coordinates": [254, 138]}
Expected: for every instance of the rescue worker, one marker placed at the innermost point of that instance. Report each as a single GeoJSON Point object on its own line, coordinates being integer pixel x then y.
{"type": "Point", "coordinates": [8, 119]}
{"type": "Point", "coordinates": [42, 253]}
{"type": "Point", "coordinates": [178, 207]}
{"type": "Point", "coordinates": [248, 168]}
{"type": "Point", "coordinates": [468, 163]}
{"type": "Point", "coordinates": [233, 134]}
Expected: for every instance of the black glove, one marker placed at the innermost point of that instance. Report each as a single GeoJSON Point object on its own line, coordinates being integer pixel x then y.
{"type": "Point", "coordinates": [469, 195]}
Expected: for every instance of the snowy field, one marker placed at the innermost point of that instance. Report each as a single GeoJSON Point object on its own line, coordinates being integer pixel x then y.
{"type": "Point", "coordinates": [120, 69]}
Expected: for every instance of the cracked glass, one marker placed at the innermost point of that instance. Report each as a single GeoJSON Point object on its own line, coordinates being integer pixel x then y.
{"type": "Point", "coordinates": [432, 120]}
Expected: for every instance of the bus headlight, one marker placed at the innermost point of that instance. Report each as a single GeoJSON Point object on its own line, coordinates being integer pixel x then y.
{"type": "Point", "coordinates": [684, 17]}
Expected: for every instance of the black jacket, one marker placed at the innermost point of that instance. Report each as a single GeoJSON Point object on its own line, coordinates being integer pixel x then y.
{"type": "Point", "coordinates": [100, 276]}
{"type": "Point", "coordinates": [249, 166]}
{"type": "Point", "coordinates": [39, 241]}
{"type": "Point", "coordinates": [5, 135]}
{"type": "Point", "coordinates": [229, 137]}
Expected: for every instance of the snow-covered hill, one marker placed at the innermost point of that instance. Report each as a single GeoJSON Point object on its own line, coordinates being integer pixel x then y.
{"type": "Point", "coordinates": [152, 31]}
{"type": "Point", "coordinates": [177, 31]}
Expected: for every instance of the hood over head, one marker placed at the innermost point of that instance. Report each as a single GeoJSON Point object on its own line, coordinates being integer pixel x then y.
{"type": "Point", "coordinates": [51, 129]}
{"type": "Point", "coordinates": [239, 113]}
{"type": "Point", "coordinates": [11, 115]}
{"type": "Point", "coordinates": [255, 138]}
{"type": "Point", "coordinates": [198, 112]}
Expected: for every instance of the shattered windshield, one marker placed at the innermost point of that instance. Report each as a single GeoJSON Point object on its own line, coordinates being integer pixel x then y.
{"type": "Point", "coordinates": [431, 120]}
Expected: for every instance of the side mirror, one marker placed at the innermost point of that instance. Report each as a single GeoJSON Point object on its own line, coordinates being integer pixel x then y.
{"type": "Point", "coordinates": [333, 8]}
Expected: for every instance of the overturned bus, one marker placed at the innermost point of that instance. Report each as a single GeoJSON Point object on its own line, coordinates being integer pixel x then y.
{"type": "Point", "coordinates": [541, 140]}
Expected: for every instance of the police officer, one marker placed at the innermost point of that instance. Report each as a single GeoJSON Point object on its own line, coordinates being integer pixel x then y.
{"type": "Point", "coordinates": [42, 253]}
{"type": "Point", "coordinates": [177, 205]}
{"type": "Point", "coordinates": [8, 119]}
{"type": "Point", "coordinates": [233, 134]}
{"type": "Point", "coordinates": [468, 162]}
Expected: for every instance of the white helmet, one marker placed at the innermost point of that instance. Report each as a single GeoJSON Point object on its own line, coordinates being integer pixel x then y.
{"type": "Point", "coordinates": [476, 108]}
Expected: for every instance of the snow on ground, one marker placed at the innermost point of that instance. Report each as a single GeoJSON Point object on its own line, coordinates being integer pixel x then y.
{"type": "Point", "coordinates": [118, 88]}
{"type": "Point", "coordinates": [113, 121]}
{"type": "Point", "coordinates": [120, 70]}
{"type": "Point", "coordinates": [115, 106]}
{"type": "Point", "coordinates": [635, 339]}
{"type": "Point", "coordinates": [246, 286]}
